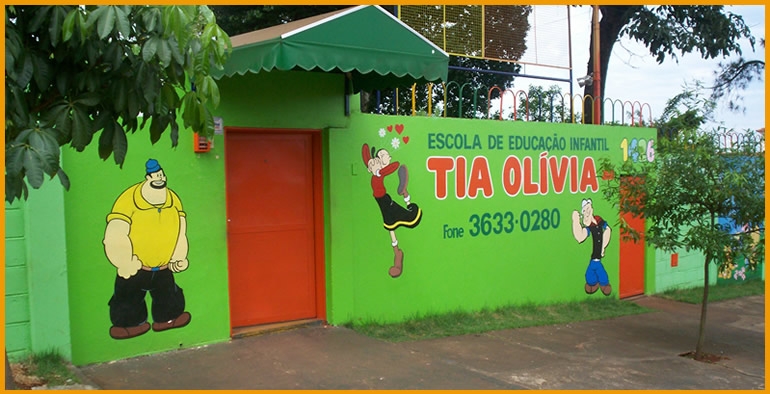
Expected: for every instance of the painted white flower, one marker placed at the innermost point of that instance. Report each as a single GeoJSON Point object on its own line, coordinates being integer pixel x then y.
{"type": "Point", "coordinates": [382, 132]}
{"type": "Point", "coordinates": [395, 143]}
{"type": "Point", "coordinates": [741, 273]}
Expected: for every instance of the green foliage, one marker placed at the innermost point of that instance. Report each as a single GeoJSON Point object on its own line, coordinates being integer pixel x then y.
{"type": "Point", "coordinates": [469, 80]}
{"type": "Point", "coordinates": [735, 76]}
{"type": "Point", "coordinates": [52, 367]}
{"type": "Point", "coordinates": [239, 19]}
{"type": "Point", "coordinates": [667, 31]}
{"type": "Point", "coordinates": [516, 316]}
{"type": "Point", "coordinates": [687, 110]}
{"type": "Point", "coordinates": [542, 105]}
{"type": "Point", "coordinates": [692, 182]}
{"type": "Point", "coordinates": [72, 72]}
{"type": "Point", "coordinates": [466, 94]}
{"type": "Point", "coordinates": [472, 74]}
{"type": "Point", "coordinates": [694, 295]}
{"type": "Point", "coordinates": [48, 368]}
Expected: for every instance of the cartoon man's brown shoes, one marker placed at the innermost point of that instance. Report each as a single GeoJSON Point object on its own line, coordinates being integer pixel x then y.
{"type": "Point", "coordinates": [181, 321]}
{"type": "Point", "coordinates": [129, 332]}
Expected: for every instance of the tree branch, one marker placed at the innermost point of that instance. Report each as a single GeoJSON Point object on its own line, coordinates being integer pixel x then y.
{"type": "Point", "coordinates": [738, 72]}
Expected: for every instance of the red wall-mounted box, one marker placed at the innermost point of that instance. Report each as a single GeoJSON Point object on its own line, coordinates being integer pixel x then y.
{"type": "Point", "coordinates": [201, 144]}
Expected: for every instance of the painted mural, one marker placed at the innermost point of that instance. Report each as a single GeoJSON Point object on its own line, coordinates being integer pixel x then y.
{"type": "Point", "coordinates": [585, 224]}
{"type": "Point", "coordinates": [515, 214]}
{"type": "Point", "coordinates": [394, 215]}
{"type": "Point", "coordinates": [739, 268]}
{"type": "Point", "coordinates": [498, 196]}
{"type": "Point", "coordinates": [146, 240]}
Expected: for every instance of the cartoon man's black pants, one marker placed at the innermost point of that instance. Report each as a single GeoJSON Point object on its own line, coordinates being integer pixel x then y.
{"type": "Point", "coordinates": [128, 307]}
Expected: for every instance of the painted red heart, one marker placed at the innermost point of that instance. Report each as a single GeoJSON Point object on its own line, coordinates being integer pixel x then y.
{"type": "Point", "coordinates": [399, 128]}
{"type": "Point", "coordinates": [390, 128]}
{"type": "Point", "coordinates": [406, 138]}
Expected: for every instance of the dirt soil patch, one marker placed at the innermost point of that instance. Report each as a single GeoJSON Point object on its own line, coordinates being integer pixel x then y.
{"type": "Point", "coordinates": [707, 357]}
{"type": "Point", "coordinates": [23, 378]}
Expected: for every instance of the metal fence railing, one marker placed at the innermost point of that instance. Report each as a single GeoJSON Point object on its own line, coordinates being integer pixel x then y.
{"type": "Point", "coordinates": [454, 100]}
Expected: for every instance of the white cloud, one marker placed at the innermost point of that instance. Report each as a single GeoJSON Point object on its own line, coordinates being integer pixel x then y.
{"type": "Point", "coordinates": [634, 75]}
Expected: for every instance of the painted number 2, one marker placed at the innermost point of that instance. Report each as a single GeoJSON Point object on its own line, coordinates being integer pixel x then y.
{"type": "Point", "coordinates": [503, 222]}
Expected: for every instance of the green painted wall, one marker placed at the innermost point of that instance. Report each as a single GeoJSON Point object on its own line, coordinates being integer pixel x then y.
{"type": "Point", "coordinates": [291, 99]}
{"type": "Point", "coordinates": [198, 180]}
{"type": "Point", "coordinates": [472, 272]}
{"type": "Point", "coordinates": [688, 272]}
{"type": "Point", "coordinates": [18, 342]}
{"type": "Point", "coordinates": [37, 317]}
{"type": "Point", "coordinates": [282, 100]}
{"type": "Point", "coordinates": [440, 274]}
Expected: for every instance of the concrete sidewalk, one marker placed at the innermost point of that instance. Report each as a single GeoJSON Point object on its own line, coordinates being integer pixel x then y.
{"type": "Point", "coordinates": [630, 352]}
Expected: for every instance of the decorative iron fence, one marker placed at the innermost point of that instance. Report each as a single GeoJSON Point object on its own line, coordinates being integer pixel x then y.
{"type": "Point", "coordinates": [466, 101]}
{"type": "Point", "coordinates": [729, 139]}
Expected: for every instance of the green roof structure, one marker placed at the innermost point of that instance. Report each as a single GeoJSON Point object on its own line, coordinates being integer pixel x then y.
{"type": "Point", "coordinates": [378, 50]}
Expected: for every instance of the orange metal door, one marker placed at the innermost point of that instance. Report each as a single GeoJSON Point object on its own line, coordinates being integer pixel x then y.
{"type": "Point", "coordinates": [632, 257]}
{"type": "Point", "coordinates": [270, 229]}
{"type": "Point", "coordinates": [632, 261]}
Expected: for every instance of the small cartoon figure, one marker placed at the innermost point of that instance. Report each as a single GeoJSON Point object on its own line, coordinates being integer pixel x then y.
{"type": "Point", "coordinates": [600, 232]}
{"type": "Point", "coordinates": [146, 241]}
{"type": "Point", "coordinates": [393, 215]}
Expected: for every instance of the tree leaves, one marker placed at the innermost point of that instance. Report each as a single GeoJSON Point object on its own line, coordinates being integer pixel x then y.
{"type": "Point", "coordinates": [75, 71]}
{"type": "Point", "coordinates": [42, 71]}
{"type": "Point", "coordinates": [110, 18]}
{"type": "Point", "coordinates": [669, 29]}
{"type": "Point", "coordinates": [33, 153]}
{"type": "Point", "coordinates": [59, 14]}
{"type": "Point", "coordinates": [209, 88]}
{"type": "Point", "coordinates": [150, 48]}
{"type": "Point", "coordinates": [113, 141]}
{"type": "Point", "coordinates": [24, 74]}
{"type": "Point", "coordinates": [68, 27]}
{"type": "Point", "coordinates": [693, 181]}
{"type": "Point", "coordinates": [80, 128]}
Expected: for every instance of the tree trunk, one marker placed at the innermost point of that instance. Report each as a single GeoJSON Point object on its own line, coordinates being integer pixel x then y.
{"type": "Point", "coordinates": [613, 19]}
{"type": "Point", "coordinates": [9, 383]}
{"type": "Point", "coordinates": [366, 106]}
{"type": "Point", "coordinates": [703, 310]}
{"type": "Point", "coordinates": [704, 303]}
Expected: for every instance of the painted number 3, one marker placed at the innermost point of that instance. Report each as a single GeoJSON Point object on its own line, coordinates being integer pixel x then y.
{"type": "Point", "coordinates": [503, 222]}
{"type": "Point", "coordinates": [637, 150]}
{"type": "Point", "coordinates": [492, 223]}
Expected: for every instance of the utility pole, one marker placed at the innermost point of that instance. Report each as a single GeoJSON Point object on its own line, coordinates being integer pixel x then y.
{"type": "Point", "coordinates": [597, 115]}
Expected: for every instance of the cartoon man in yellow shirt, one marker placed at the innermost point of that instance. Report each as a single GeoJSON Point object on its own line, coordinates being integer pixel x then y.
{"type": "Point", "coordinates": [146, 240]}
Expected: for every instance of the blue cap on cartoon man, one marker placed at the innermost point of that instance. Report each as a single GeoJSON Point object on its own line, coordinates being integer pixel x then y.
{"type": "Point", "coordinates": [152, 166]}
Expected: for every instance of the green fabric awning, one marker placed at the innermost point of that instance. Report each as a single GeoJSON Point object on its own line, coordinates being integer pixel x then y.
{"type": "Point", "coordinates": [377, 49]}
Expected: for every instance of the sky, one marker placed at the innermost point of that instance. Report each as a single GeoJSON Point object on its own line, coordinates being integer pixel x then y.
{"type": "Point", "coordinates": [634, 74]}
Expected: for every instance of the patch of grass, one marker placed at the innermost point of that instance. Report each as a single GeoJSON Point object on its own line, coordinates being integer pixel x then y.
{"type": "Point", "coordinates": [53, 368]}
{"type": "Point", "coordinates": [48, 368]}
{"type": "Point", "coordinates": [694, 295]}
{"type": "Point", "coordinates": [518, 316]}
